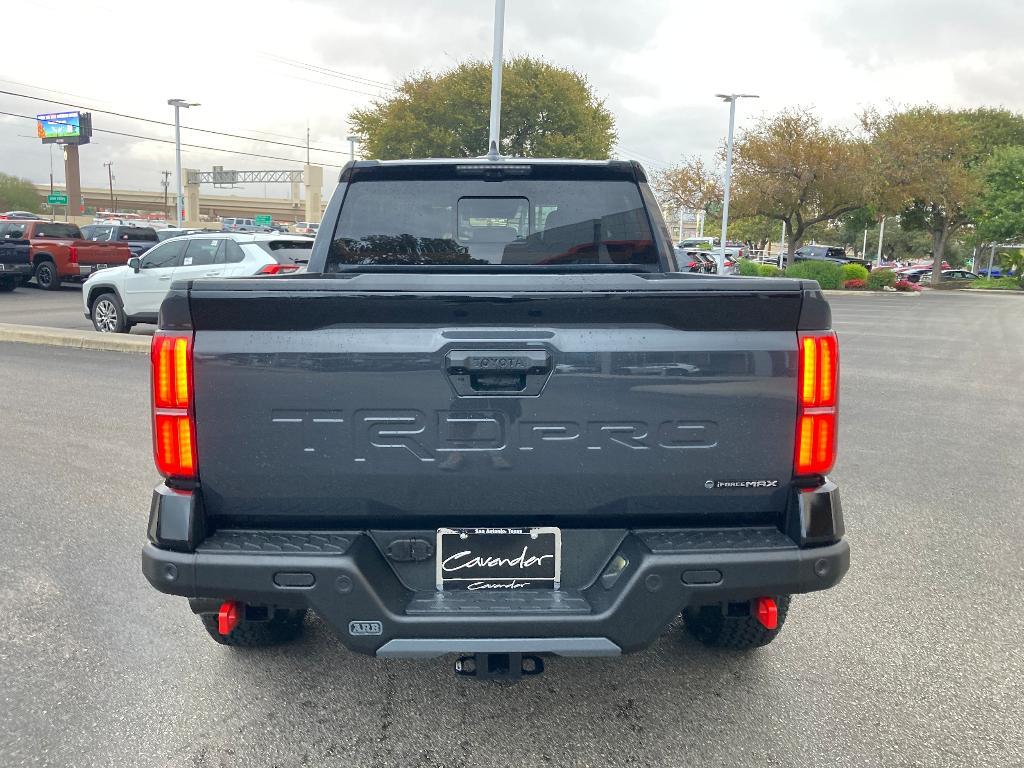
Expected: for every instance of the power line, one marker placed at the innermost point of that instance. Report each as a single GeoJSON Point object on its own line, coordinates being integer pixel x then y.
{"type": "Point", "coordinates": [165, 123]}
{"type": "Point", "coordinates": [192, 146]}
{"type": "Point", "coordinates": [358, 79]}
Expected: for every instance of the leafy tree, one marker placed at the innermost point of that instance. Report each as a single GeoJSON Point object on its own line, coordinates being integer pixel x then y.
{"type": "Point", "coordinates": [1000, 209]}
{"type": "Point", "coordinates": [791, 168]}
{"type": "Point", "coordinates": [546, 111]}
{"type": "Point", "coordinates": [18, 194]}
{"type": "Point", "coordinates": [691, 186]}
{"type": "Point", "coordinates": [927, 166]}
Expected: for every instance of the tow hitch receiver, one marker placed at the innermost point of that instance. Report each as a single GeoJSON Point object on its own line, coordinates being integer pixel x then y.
{"type": "Point", "coordinates": [508, 667]}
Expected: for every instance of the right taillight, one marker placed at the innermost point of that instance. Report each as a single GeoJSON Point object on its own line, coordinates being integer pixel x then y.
{"type": "Point", "coordinates": [818, 399]}
{"type": "Point", "coordinates": [174, 434]}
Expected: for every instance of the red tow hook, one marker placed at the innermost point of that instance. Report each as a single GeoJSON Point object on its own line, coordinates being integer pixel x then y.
{"type": "Point", "coordinates": [765, 609]}
{"type": "Point", "coordinates": [227, 616]}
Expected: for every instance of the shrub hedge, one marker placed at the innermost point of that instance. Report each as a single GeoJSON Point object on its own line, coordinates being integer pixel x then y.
{"type": "Point", "coordinates": [748, 268]}
{"type": "Point", "coordinates": [828, 275]}
{"type": "Point", "coordinates": [881, 278]}
{"type": "Point", "coordinates": [769, 270]}
{"type": "Point", "coordinates": [995, 284]}
{"type": "Point", "coordinates": [853, 272]}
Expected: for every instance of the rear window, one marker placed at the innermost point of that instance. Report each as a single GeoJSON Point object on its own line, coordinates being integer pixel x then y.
{"type": "Point", "coordinates": [143, 234]}
{"type": "Point", "coordinates": [473, 222]}
{"type": "Point", "coordinates": [54, 230]}
{"type": "Point", "coordinates": [288, 251]}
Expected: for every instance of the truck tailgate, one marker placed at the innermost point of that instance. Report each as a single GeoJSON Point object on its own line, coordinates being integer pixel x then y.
{"type": "Point", "coordinates": [346, 402]}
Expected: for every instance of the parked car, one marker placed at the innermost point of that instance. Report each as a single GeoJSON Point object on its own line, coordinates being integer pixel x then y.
{"type": "Point", "coordinates": [953, 275]}
{"type": "Point", "coordinates": [831, 253]}
{"type": "Point", "coordinates": [138, 239]}
{"type": "Point", "coordinates": [59, 252]}
{"type": "Point", "coordinates": [306, 227]}
{"type": "Point", "coordinates": [168, 232]}
{"type": "Point", "coordinates": [996, 273]}
{"type": "Point", "coordinates": [117, 299]}
{"type": "Point", "coordinates": [242, 225]}
{"type": "Point", "coordinates": [387, 440]}
{"type": "Point", "coordinates": [913, 274]}
{"type": "Point", "coordinates": [20, 215]}
{"type": "Point", "coordinates": [697, 243]}
{"type": "Point", "coordinates": [15, 256]}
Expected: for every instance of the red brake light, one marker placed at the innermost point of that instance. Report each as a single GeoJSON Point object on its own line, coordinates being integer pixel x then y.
{"type": "Point", "coordinates": [174, 443]}
{"type": "Point", "coordinates": [73, 254]}
{"type": "Point", "coordinates": [277, 269]}
{"type": "Point", "coordinates": [817, 396]}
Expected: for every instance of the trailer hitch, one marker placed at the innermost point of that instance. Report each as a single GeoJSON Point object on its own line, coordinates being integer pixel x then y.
{"type": "Point", "coordinates": [502, 667]}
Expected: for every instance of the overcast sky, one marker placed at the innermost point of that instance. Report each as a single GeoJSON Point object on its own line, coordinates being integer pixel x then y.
{"type": "Point", "coordinates": [657, 63]}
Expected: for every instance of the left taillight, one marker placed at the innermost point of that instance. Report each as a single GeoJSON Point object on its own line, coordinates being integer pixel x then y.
{"type": "Point", "coordinates": [73, 254]}
{"type": "Point", "coordinates": [174, 434]}
{"type": "Point", "coordinates": [818, 401]}
{"type": "Point", "coordinates": [278, 269]}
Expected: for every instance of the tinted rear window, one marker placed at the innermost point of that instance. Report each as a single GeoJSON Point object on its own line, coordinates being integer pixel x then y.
{"type": "Point", "coordinates": [516, 221]}
{"type": "Point", "coordinates": [143, 234]}
{"type": "Point", "coordinates": [63, 231]}
{"type": "Point", "coordinates": [288, 251]}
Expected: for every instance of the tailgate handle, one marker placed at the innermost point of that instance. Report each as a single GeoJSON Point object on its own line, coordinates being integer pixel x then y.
{"type": "Point", "coordinates": [500, 371]}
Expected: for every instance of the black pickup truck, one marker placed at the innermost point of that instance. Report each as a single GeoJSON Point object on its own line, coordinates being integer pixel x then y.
{"type": "Point", "coordinates": [494, 420]}
{"type": "Point", "coordinates": [15, 256]}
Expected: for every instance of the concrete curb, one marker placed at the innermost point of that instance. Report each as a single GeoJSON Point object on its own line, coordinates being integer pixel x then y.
{"type": "Point", "coordinates": [60, 337]}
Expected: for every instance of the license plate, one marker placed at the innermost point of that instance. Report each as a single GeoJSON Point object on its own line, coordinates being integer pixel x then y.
{"type": "Point", "coordinates": [501, 559]}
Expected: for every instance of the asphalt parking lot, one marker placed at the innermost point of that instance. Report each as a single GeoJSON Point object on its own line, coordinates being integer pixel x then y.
{"type": "Point", "coordinates": [914, 660]}
{"type": "Point", "coordinates": [29, 305]}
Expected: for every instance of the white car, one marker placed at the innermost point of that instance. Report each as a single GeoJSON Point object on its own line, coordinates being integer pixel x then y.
{"type": "Point", "coordinates": [115, 299]}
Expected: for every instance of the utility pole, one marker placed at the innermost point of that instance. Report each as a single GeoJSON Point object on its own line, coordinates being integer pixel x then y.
{"type": "Point", "coordinates": [731, 98]}
{"type": "Point", "coordinates": [352, 146]}
{"type": "Point", "coordinates": [110, 177]}
{"type": "Point", "coordinates": [165, 183]}
{"type": "Point", "coordinates": [307, 143]}
{"type": "Point", "coordinates": [494, 135]}
{"type": "Point", "coordinates": [881, 236]}
{"type": "Point", "coordinates": [782, 246]}
{"type": "Point", "coordinates": [864, 248]}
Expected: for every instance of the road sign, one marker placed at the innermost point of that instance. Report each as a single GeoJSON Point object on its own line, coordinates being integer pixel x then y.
{"type": "Point", "coordinates": [57, 199]}
{"type": "Point", "coordinates": [263, 220]}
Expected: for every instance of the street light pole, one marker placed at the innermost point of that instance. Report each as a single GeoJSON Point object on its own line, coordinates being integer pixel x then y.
{"type": "Point", "coordinates": [881, 236]}
{"type": "Point", "coordinates": [352, 147]}
{"type": "Point", "coordinates": [864, 247]}
{"type": "Point", "coordinates": [178, 104]}
{"type": "Point", "coordinates": [731, 98]}
{"type": "Point", "coordinates": [494, 134]}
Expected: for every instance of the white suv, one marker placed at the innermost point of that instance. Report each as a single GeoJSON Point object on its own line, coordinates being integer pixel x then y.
{"type": "Point", "coordinates": [116, 299]}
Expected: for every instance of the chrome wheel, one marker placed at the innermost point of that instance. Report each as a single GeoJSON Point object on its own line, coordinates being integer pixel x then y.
{"type": "Point", "coordinates": [104, 316]}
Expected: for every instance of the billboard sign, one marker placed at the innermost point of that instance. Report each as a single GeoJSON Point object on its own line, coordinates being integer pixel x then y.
{"type": "Point", "coordinates": [64, 127]}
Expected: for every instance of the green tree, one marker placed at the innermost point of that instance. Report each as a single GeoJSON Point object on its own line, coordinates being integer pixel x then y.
{"type": "Point", "coordinates": [927, 166]}
{"type": "Point", "coordinates": [790, 168]}
{"type": "Point", "coordinates": [18, 194]}
{"type": "Point", "coordinates": [1000, 210]}
{"type": "Point", "coordinates": [546, 111]}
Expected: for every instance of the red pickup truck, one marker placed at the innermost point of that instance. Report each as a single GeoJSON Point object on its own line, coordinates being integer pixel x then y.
{"type": "Point", "coordinates": [58, 252]}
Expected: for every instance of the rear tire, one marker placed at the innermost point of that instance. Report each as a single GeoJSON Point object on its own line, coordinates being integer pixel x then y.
{"type": "Point", "coordinates": [283, 627]}
{"type": "Point", "coordinates": [107, 314]}
{"type": "Point", "coordinates": [719, 626]}
{"type": "Point", "coordinates": [47, 276]}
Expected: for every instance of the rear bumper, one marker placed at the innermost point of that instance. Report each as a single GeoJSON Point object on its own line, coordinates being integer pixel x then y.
{"type": "Point", "coordinates": [381, 604]}
{"type": "Point", "coordinates": [17, 270]}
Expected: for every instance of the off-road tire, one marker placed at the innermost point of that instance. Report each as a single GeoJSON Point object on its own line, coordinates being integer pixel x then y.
{"type": "Point", "coordinates": [285, 626]}
{"type": "Point", "coordinates": [47, 276]}
{"type": "Point", "coordinates": [712, 626]}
